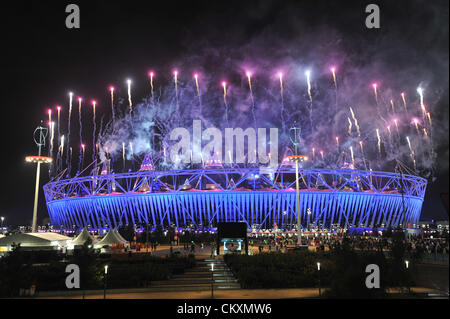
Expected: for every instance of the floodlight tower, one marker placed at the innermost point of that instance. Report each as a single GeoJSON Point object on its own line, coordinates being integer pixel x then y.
{"type": "Point", "coordinates": [40, 141]}
{"type": "Point", "coordinates": [294, 136]}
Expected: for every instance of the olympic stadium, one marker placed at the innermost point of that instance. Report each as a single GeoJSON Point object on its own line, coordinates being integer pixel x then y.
{"type": "Point", "coordinates": [262, 198]}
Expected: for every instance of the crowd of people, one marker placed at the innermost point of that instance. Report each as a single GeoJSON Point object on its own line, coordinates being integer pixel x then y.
{"type": "Point", "coordinates": [413, 244]}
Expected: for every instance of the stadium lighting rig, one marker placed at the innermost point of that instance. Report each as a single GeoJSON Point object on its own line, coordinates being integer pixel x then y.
{"type": "Point", "coordinates": [39, 136]}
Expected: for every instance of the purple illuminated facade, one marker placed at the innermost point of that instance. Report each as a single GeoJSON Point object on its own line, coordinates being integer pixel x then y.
{"type": "Point", "coordinates": [262, 198]}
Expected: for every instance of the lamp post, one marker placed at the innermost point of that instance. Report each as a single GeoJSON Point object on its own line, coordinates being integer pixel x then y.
{"type": "Point", "coordinates": [318, 269]}
{"type": "Point", "coordinates": [106, 277]}
{"type": "Point", "coordinates": [407, 273]}
{"type": "Point", "coordinates": [146, 237]}
{"type": "Point", "coordinates": [294, 136]}
{"type": "Point", "coordinates": [296, 159]}
{"type": "Point", "coordinates": [212, 280]}
{"type": "Point", "coordinates": [38, 159]}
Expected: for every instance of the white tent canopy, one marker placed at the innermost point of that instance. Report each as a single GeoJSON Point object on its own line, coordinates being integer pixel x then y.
{"type": "Point", "coordinates": [82, 238]}
{"type": "Point", "coordinates": [35, 240]}
{"type": "Point", "coordinates": [119, 235]}
{"type": "Point", "coordinates": [111, 238]}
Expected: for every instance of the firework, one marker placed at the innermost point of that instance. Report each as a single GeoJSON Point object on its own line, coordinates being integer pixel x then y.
{"type": "Point", "coordinates": [52, 135]}
{"type": "Point", "coordinates": [355, 121]}
{"type": "Point", "coordinates": [198, 89]}
{"type": "Point", "coordinates": [68, 133]}
{"type": "Point", "coordinates": [416, 124]}
{"type": "Point", "coordinates": [280, 75]}
{"type": "Point", "coordinates": [196, 84]}
{"type": "Point", "coordinates": [129, 96]}
{"type": "Point", "coordinates": [58, 108]}
{"type": "Point", "coordinates": [50, 149]}
{"type": "Point", "coordinates": [94, 103]}
{"type": "Point", "coordinates": [404, 100]}
{"type": "Point", "coordinates": [151, 74]}
{"type": "Point", "coordinates": [420, 91]}
{"type": "Point", "coordinates": [396, 127]}
{"type": "Point", "coordinates": [61, 145]}
{"type": "Point", "coordinates": [321, 155]}
{"type": "Point", "coordinates": [308, 73]}
{"type": "Point", "coordinates": [411, 152]}
{"type": "Point", "coordinates": [353, 158]}
{"type": "Point", "coordinates": [374, 85]}
{"type": "Point", "coordinates": [249, 75]}
{"type": "Point", "coordinates": [333, 71]}
{"type": "Point", "coordinates": [111, 91]}
{"type": "Point", "coordinates": [393, 106]}
{"type": "Point", "coordinates": [131, 149]}
{"type": "Point", "coordinates": [422, 126]}
{"type": "Point", "coordinates": [123, 154]}
{"type": "Point", "coordinates": [80, 159]}
{"type": "Point", "coordinates": [70, 102]}
{"type": "Point", "coordinates": [379, 140]}
{"type": "Point", "coordinates": [224, 85]}
{"type": "Point", "coordinates": [429, 119]}
{"type": "Point", "coordinates": [249, 78]}
{"type": "Point", "coordinates": [175, 80]}
{"type": "Point", "coordinates": [409, 145]}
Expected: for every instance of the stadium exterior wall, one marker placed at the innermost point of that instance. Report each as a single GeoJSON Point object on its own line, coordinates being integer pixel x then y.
{"type": "Point", "coordinates": [327, 198]}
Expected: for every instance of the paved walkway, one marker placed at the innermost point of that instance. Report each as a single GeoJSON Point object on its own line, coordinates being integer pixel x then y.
{"type": "Point", "coordinates": [220, 294]}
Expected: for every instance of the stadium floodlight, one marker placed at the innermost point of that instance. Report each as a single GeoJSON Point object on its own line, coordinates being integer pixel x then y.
{"type": "Point", "coordinates": [40, 141]}
{"type": "Point", "coordinates": [296, 159]}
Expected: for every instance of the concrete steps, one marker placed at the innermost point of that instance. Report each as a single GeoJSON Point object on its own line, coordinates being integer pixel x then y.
{"type": "Point", "coordinates": [201, 277]}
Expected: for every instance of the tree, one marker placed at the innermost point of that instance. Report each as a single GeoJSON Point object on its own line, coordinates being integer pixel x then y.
{"type": "Point", "coordinates": [127, 232]}
{"type": "Point", "coordinates": [348, 276]}
{"type": "Point", "coordinates": [86, 258]}
{"type": "Point", "coordinates": [14, 272]}
{"type": "Point", "coordinates": [399, 276]}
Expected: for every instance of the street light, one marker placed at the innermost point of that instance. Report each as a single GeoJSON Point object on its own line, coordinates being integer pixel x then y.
{"type": "Point", "coordinates": [407, 272]}
{"type": "Point", "coordinates": [106, 275]}
{"type": "Point", "coordinates": [146, 236]}
{"type": "Point", "coordinates": [212, 280]}
{"type": "Point", "coordinates": [318, 269]}
{"type": "Point", "coordinates": [3, 218]}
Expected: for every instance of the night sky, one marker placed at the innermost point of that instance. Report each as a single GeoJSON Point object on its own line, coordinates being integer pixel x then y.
{"type": "Point", "coordinates": [41, 60]}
